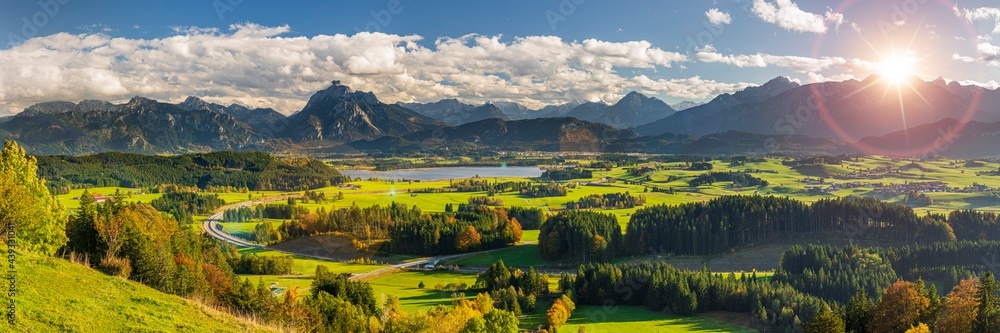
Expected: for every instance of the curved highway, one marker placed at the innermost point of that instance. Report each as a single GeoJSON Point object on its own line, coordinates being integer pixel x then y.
{"type": "Point", "coordinates": [212, 227]}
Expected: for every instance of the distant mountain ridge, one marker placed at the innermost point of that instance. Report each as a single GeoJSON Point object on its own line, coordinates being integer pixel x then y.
{"type": "Point", "coordinates": [685, 105]}
{"type": "Point", "coordinates": [453, 112]}
{"type": "Point", "coordinates": [773, 117]}
{"type": "Point", "coordinates": [846, 111]}
{"type": "Point", "coordinates": [141, 125]}
{"type": "Point", "coordinates": [635, 109]}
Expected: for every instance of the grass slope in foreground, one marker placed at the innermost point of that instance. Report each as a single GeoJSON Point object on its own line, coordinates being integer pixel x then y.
{"type": "Point", "coordinates": [56, 295]}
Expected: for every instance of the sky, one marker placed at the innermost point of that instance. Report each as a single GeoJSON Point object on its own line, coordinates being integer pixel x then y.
{"type": "Point", "coordinates": [275, 54]}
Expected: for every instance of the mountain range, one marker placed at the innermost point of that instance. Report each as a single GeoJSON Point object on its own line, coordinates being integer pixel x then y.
{"type": "Point", "coordinates": [453, 112]}
{"type": "Point", "coordinates": [778, 116]}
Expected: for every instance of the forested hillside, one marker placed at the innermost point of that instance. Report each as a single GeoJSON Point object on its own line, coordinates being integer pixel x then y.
{"type": "Point", "coordinates": [251, 170]}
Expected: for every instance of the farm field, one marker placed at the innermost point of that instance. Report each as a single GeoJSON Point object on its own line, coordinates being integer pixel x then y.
{"type": "Point", "coordinates": [405, 286]}
{"type": "Point", "coordinates": [303, 270]}
{"type": "Point", "coordinates": [516, 256]}
{"type": "Point", "coordinates": [244, 229]}
{"type": "Point", "coordinates": [598, 319]}
{"type": "Point", "coordinates": [71, 202]}
{"type": "Point", "coordinates": [783, 181]}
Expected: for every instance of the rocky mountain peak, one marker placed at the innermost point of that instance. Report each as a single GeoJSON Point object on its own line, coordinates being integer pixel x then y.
{"type": "Point", "coordinates": [753, 95]}
{"type": "Point", "coordinates": [192, 103]}
{"type": "Point", "coordinates": [338, 91]}
{"type": "Point", "coordinates": [635, 99]}
{"type": "Point", "coordinates": [138, 102]}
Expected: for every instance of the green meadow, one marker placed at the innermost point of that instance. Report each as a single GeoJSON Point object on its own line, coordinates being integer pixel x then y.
{"type": "Point", "coordinates": [405, 286]}
{"type": "Point", "coordinates": [244, 229]}
{"type": "Point", "coordinates": [600, 319]}
{"type": "Point", "coordinates": [46, 302]}
{"type": "Point", "coordinates": [71, 201]}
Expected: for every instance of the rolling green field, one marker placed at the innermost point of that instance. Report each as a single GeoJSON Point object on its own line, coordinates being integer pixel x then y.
{"type": "Point", "coordinates": [303, 269]}
{"type": "Point", "coordinates": [243, 229]}
{"type": "Point", "coordinates": [54, 294]}
{"type": "Point", "coordinates": [405, 286]}
{"type": "Point", "coordinates": [517, 256]}
{"type": "Point", "coordinates": [599, 319]}
{"type": "Point", "coordinates": [71, 201]}
{"type": "Point", "coordinates": [784, 181]}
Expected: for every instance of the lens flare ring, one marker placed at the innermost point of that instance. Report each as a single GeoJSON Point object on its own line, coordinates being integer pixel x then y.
{"type": "Point", "coordinates": [945, 138]}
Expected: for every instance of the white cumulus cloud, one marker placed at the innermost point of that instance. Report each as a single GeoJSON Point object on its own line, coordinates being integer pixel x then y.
{"type": "Point", "coordinates": [258, 66]}
{"type": "Point", "coordinates": [799, 64]}
{"type": "Point", "coordinates": [788, 15]}
{"type": "Point", "coordinates": [717, 17]}
{"type": "Point", "coordinates": [981, 14]}
{"type": "Point", "coordinates": [988, 54]}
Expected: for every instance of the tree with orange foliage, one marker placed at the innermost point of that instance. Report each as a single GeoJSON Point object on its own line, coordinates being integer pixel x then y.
{"type": "Point", "coordinates": [959, 309]}
{"type": "Point", "coordinates": [468, 239]}
{"type": "Point", "coordinates": [900, 308]}
{"type": "Point", "coordinates": [217, 280]}
{"type": "Point", "coordinates": [294, 312]}
{"type": "Point", "coordinates": [559, 313]}
{"type": "Point", "coordinates": [514, 230]}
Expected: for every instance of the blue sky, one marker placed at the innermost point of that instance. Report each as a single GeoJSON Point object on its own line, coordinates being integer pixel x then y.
{"type": "Point", "coordinates": [749, 42]}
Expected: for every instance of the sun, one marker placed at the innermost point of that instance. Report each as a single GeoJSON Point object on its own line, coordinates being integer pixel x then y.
{"type": "Point", "coordinates": [897, 69]}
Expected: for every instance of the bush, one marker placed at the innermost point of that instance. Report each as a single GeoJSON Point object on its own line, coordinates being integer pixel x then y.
{"type": "Point", "coordinates": [119, 267]}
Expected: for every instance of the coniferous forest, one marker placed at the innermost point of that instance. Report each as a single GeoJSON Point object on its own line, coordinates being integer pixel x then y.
{"type": "Point", "coordinates": [250, 170]}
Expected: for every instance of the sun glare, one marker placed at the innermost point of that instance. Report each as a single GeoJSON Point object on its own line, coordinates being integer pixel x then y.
{"type": "Point", "coordinates": [896, 69]}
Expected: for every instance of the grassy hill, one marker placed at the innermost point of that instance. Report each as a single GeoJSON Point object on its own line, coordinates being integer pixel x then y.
{"type": "Point", "coordinates": [56, 295]}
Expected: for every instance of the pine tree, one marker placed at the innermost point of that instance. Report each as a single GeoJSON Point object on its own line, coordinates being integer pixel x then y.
{"type": "Point", "coordinates": [858, 312]}
{"type": "Point", "coordinates": [988, 314]}
{"type": "Point", "coordinates": [825, 322]}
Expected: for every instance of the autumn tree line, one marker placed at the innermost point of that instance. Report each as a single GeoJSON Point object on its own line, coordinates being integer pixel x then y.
{"type": "Point", "coordinates": [402, 228]}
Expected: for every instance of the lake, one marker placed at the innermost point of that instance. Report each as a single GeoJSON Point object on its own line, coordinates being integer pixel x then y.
{"type": "Point", "coordinates": [448, 173]}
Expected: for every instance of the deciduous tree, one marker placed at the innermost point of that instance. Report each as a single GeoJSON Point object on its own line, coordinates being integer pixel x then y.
{"type": "Point", "coordinates": [27, 207]}
{"type": "Point", "coordinates": [900, 308]}
{"type": "Point", "coordinates": [958, 312]}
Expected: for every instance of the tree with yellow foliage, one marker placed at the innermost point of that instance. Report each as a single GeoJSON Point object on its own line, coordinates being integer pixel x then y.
{"type": "Point", "coordinates": [27, 208]}
{"type": "Point", "coordinates": [920, 328]}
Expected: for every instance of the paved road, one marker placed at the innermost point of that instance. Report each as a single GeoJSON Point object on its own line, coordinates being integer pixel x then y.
{"type": "Point", "coordinates": [212, 227]}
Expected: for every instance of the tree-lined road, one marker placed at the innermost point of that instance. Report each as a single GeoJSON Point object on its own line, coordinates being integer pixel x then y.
{"type": "Point", "coordinates": [212, 227]}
